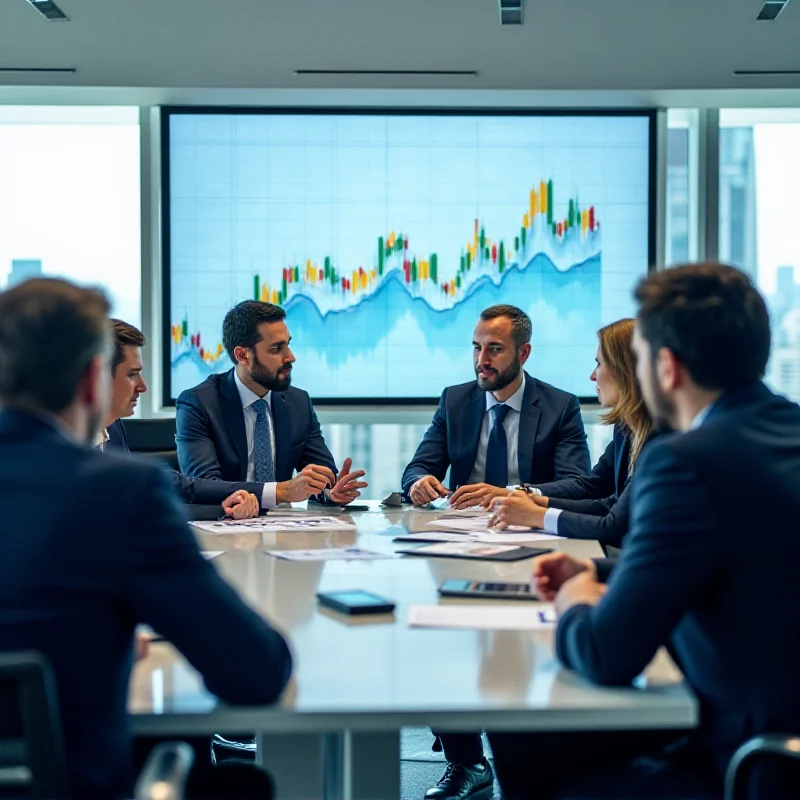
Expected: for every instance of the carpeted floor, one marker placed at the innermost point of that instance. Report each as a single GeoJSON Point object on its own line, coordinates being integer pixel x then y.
{"type": "Point", "coordinates": [420, 767]}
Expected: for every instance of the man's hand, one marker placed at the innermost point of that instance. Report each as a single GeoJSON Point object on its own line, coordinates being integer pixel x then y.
{"type": "Point", "coordinates": [309, 481]}
{"type": "Point", "coordinates": [552, 571]}
{"type": "Point", "coordinates": [477, 494]}
{"type": "Point", "coordinates": [583, 589]}
{"type": "Point", "coordinates": [241, 505]}
{"type": "Point", "coordinates": [517, 508]}
{"type": "Point", "coordinates": [426, 489]}
{"type": "Point", "coordinates": [346, 488]}
{"type": "Point", "coordinates": [540, 500]}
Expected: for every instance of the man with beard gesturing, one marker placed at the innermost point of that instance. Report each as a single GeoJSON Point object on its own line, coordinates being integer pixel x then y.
{"type": "Point", "coordinates": [505, 428]}
{"type": "Point", "coordinates": [249, 424]}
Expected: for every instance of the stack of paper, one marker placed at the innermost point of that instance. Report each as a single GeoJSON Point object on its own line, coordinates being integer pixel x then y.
{"type": "Point", "coordinates": [477, 528]}
{"type": "Point", "coordinates": [494, 617]}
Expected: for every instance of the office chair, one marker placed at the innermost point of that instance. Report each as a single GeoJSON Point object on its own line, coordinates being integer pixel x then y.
{"type": "Point", "coordinates": [768, 745]}
{"type": "Point", "coordinates": [165, 773]}
{"type": "Point", "coordinates": [32, 763]}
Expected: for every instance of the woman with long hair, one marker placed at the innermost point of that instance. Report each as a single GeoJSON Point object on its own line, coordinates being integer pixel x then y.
{"type": "Point", "coordinates": [595, 506]}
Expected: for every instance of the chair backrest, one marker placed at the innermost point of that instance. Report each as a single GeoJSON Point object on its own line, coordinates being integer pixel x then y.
{"type": "Point", "coordinates": [32, 763]}
{"type": "Point", "coordinates": [755, 771]}
{"type": "Point", "coordinates": [165, 774]}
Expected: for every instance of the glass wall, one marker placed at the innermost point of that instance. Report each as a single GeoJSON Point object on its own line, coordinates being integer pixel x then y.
{"type": "Point", "coordinates": [70, 198]}
{"type": "Point", "coordinates": [758, 215]}
{"type": "Point", "coordinates": [682, 172]}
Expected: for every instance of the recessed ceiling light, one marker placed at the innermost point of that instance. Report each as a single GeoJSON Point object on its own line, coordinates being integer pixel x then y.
{"type": "Point", "coordinates": [49, 10]}
{"type": "Point", "coordinates": [771, 10]}
{"type": "Point", "coordinates": [511, 12]}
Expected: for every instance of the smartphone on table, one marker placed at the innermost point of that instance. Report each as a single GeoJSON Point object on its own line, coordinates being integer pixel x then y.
{"type": "Point", "coordinates": [355, 601]}
{"type": "Point", "coordinates": [488, 590]}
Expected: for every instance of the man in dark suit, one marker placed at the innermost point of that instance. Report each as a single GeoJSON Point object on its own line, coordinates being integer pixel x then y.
{"type": "Point", "coordinates": [107, 550]}
{"type": "Point", "coordinates": [249, 424]}
{"type": "Point", "coordinates": [504, 428]}
{"type": "Point", "coordinates": [238, 500]}
{"type": "Point", "coordinates": [689, 577]}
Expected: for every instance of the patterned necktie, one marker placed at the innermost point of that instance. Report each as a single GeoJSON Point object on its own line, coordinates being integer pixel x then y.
{"type": "Point", "coordinates": [262, 445]}
{"type": "Point", "coordinates": [497, 450]}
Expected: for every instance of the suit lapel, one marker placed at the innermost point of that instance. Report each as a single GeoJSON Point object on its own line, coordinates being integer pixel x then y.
{"type": "Point", "coordinates": [282, 421]}
{"type": "Point", "coordinates": [232, 412]}
{"type": "Point", "coordinates": [528, 426]}
{"type": "Point", "coordinates": [622, 450]}
{"type": "Point", "coordinates": [471, 421]}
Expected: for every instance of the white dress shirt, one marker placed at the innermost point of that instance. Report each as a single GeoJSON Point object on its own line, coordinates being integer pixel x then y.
{"type": "Point", "coordinates": [102, 439]}
{"type": "Point", "coordinates": [511, 427]}
{"type": "Point", "coordinates": [550, 522]}
{"type": "Point", "coordinates": [269, 496]}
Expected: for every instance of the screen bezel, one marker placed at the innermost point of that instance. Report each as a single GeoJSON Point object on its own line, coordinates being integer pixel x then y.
{"type": "Point", "coordinates": [167, 112]}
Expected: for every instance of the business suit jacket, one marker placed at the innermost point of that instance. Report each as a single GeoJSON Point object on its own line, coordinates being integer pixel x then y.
{"type": "Point", "coordinates": [108, 550]}
{"type": "Point", "coordinates": [606, 520]}
{"type": "Point", "coordinates": [689, 576]}
{"type": "Point", "coordinates": [199, 491]}
{"type": "Point", "coordinates": [552, 440]}
{"type": "Point", "coordinates": [607, 478]}
{"type": "Point", "coordinates": [211, 437]}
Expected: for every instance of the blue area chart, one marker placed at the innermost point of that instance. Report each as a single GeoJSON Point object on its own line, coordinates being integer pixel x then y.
{"type": "Point", "coordinates": [394, 318]}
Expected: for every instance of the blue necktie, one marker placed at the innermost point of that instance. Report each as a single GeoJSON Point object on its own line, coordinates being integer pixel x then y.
{"type": "Point", "coordinates": [262, 445]}
{"type": "Point", "coordinates": [497, 450]}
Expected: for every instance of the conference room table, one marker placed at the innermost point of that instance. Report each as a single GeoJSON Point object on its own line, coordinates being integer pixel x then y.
{"type": "Point", "coordinates": [357, 682]}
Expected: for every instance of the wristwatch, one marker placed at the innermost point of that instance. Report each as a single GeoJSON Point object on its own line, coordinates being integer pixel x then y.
{"type": "Point", "coordinates": [525, 487]}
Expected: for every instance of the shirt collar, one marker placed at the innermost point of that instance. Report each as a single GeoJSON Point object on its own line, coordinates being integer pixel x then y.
{"type": "Point", "coordinates": [102, 438]}
{"type": "Point", "coordinates": [247, 396]}
{"type": "Point", "coordinates": [515, 401]}
{"type": "Point", "coordinates": [700, 417]}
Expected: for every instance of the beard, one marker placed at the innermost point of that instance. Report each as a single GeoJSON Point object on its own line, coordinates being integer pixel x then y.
{"type": "Point", "coordinates": [661, 408]}
{"type": "Point", "coordinates": [499, 380]}
{"type": "Point", "coordinates": [277, 381]}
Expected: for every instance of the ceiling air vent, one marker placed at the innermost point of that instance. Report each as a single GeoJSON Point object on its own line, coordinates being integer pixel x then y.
{"type": "Point", "coordinates": [771, 10]}
{"type": "Point", "coordinates": [511, 12]}
{"type": "Point", "coordinates": [49, 10]}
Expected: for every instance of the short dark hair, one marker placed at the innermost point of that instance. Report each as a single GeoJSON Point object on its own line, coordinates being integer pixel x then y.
{"type": "Point", "coordinates": [240, 326]}
{"type": "Point", "coordinates": [521, 327]}
{"type": "Point", "coordinates": [50, 330]}
{"type": "Point", "coordinates": [125, 335]}
{"type": "Point", "coordinates": [712, 318]}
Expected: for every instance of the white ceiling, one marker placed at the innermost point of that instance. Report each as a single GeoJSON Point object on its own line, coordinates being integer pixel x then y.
{"type": "Point", "coordinates": [642, 48]}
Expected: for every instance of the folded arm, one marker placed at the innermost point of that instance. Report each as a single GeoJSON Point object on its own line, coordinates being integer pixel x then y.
{"type": "Point", "coordinates": [170, 586]}
{"type": "Point", "coordinates": [669, 559]}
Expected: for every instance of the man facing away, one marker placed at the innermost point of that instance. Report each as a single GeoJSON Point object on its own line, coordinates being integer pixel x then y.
{"type": "Point", "coordinates": [108, 548]}
{"type": "Point", "coordinates": [250, 424]}
{"type": "Point", "coordinates": [504, 428]}
{"type": "Point", "coordinates": [709, 569]}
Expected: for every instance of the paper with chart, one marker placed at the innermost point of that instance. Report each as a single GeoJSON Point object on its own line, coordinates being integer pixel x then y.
{"type": "Point", "coordinates": [328, 554]}
{"type": "Point", "coordinates": [275, 525]}
{"type": "Point", "coordinates": [493, 617]}
{"type": "Point", "coordinates": [477, 528]}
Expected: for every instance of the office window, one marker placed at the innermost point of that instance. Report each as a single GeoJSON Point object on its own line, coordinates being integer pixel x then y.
{"type": "Point", "coordinates": [759, 170]}
{"type": "Point", "coordinates": [681, 219]}
{"type": "Point", "coordinates": [69, 199]}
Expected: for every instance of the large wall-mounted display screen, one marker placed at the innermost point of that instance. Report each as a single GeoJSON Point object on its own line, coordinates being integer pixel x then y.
{"type": "Point", "coordinates": [384, 234]}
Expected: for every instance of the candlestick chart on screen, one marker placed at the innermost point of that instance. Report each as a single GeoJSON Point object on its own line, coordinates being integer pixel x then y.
{"type": "Point", "coordinates": [382, 291]}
